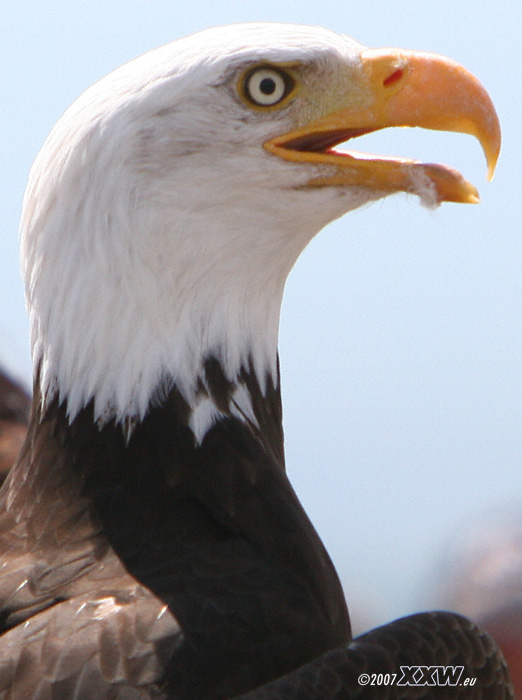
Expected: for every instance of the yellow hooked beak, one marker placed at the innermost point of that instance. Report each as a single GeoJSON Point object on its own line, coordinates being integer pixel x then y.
{"type": "Point", "coordinates": [397, 88]}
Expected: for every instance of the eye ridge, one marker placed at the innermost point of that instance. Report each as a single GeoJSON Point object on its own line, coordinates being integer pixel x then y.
{"type": "Point", "coordinates": [267, 86]}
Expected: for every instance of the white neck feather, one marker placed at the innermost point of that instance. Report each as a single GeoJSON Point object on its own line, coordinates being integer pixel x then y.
{"type": "Point", "coordinates": [121, 306]}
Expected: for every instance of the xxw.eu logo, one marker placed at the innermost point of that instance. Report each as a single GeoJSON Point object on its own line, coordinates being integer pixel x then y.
{"type": "Point", "coordinates": [433, 675]}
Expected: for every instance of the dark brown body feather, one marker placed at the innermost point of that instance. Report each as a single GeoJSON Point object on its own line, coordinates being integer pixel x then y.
{"type": "Point", "coordinates": [215, 533]}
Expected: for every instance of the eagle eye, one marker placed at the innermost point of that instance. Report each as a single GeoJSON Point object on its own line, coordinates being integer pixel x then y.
{"type": "Point", "coordinates": [266, 86]}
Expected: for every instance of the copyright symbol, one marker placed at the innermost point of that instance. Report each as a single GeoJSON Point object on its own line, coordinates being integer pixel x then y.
{"type": "Point", "coordinates": [364, 679]}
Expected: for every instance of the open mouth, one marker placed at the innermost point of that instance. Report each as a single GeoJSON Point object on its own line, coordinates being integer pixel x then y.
{"type": "Point", "coordinates": [324, 142]}
{"type": "Point", "coordinates": [433, 182]}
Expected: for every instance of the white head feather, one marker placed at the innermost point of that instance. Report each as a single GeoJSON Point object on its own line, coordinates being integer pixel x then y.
{"type": "Point", "coordinates": [157, 230]}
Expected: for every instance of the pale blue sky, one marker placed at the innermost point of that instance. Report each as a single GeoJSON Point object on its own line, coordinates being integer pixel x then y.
{"type": "Point", "coordinates": [401, 339]}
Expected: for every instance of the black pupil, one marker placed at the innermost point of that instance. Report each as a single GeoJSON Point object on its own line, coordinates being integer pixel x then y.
{"type": "Point", "coordinates": [267, 86]}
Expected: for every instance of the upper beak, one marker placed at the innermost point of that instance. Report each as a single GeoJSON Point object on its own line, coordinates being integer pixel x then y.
{"type": "Point", "coordinates": [397, 88]}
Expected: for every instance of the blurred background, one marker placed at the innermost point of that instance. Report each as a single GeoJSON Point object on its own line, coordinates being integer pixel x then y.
{"type": "Point", "coordinates": [401, 340]}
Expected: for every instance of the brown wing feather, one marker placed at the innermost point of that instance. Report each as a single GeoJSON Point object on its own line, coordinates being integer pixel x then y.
{"type": "Point", "coordinates": [431, 639]}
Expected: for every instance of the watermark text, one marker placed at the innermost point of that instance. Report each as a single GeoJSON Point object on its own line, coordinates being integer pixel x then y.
{"type": "Point", "coordinates": [419, 676]}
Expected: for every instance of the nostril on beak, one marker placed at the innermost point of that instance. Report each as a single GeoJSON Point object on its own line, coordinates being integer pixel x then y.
{"type": "Point", "coordinates": [393, 77]}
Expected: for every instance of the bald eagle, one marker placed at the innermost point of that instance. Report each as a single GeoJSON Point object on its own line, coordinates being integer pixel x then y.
{"type": "Point", "coordinates": [152, 545]}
